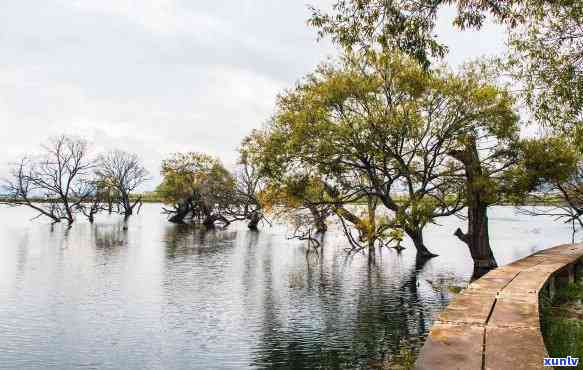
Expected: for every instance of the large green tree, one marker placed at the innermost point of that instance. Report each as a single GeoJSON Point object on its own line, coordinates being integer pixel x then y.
{"type": "Point", "coordinates": [379, 125]}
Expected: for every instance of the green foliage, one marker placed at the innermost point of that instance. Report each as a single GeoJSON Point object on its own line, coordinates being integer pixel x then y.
{"type": "Point", "coordinates": [199, 187]}
{"type": "Point", "coordinates": [407, 26]}
{"type": "Point", "coordinates": [185, 174]}
{"type": "Point", "coordinates": [561, 324]}
{"type": "Point", "coordinates": [545, 43]}
{"type": "Point", "coordinates": [376, 123]}
{"type": "Point", "coordinates": [538, 154]}
{"type": "Point", "coordinates": [534, 171]}
{"type": "Point", "coordinates": [545, 57]}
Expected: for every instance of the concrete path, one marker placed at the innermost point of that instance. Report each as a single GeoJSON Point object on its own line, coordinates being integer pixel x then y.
{"type": "Point", "coordinates": [494, 323]}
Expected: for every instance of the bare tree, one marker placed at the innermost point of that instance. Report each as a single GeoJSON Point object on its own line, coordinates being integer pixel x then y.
{"type": "Point", "coordinates": [124, 172]}
{"type": "Point", "coordinates": [100, 199]}
{"type": "Point", "coordinates": [53, 183]}
{"type": "Point", "coordinates": [249, 183]}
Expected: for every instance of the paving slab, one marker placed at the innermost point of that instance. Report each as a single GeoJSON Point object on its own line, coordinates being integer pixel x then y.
{"type": "Point", "coordinates": [528, 281]}
{"type": "Point", "coordinates": [495, 323]}
{"type": "Point", "coordinates": [489, 284]}
{"type": "Point", "coordinates": [515, 312]}
{"type": "Point", "coordinates": [469, 309]}
{"type": "Point", "coordinates": [452, 347]}
{"type": "Point", "coordinates": [514, 348]}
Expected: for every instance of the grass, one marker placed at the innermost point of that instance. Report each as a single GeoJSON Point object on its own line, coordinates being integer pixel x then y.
{"type": "Point", "coordinates": [562, 323]}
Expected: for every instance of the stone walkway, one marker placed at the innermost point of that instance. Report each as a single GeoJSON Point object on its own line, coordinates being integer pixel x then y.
{"type": "Point", "coordinates": [494, 323]}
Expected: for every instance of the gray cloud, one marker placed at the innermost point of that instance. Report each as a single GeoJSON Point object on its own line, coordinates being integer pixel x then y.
{"type": "Point", "coordinates": [156, 76]}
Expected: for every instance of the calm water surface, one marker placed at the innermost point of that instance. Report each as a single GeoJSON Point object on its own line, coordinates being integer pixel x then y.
{"type": "Point", "coordinates": [163, 296]}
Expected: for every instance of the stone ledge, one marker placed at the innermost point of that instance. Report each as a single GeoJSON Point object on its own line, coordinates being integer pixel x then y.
{"type": "Point", "coordinates": [494, 323]}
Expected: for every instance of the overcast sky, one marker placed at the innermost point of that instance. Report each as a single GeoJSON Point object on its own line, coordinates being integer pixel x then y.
{"type": "Point", "coordinates": [160, 76]}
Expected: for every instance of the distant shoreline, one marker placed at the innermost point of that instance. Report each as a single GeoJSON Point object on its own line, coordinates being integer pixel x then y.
{"type": "Point", "coordinates": [155, 198]}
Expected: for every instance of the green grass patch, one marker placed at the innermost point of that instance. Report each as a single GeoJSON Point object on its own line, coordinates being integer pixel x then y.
{"type": "Point", "coordinates": [562, 323]}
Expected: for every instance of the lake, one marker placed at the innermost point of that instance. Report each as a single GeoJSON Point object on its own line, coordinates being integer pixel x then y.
{"type": "Point", "coordinates": [164, 296]}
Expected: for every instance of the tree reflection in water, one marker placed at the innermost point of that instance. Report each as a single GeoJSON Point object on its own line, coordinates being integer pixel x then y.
{"type": "Point", "coordinates": [341, 323]}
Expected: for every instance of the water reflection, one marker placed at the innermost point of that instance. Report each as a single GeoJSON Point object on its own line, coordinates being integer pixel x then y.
{"type": "Point", "coordinates": [110, 237]}
{"type": "Point", "coordinates": [148, 294]}
{"type": "Point", "coordinates": [186, 239]}
{"type": "Point", "coordinates": [342, 323]}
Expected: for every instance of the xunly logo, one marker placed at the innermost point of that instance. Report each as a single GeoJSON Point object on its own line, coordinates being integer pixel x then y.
{"type": "Point", "coordinates": [561, 361]}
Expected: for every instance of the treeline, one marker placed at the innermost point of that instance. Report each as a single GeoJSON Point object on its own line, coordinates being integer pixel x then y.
{"type": "Point", "coordinates": [384, 127]}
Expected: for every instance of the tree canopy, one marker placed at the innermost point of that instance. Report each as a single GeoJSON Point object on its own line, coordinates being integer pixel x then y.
{"type": "Point", "coordinates": [378, 125]}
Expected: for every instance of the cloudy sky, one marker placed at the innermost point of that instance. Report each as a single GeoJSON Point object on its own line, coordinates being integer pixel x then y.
{"type": "Point", "coordinates": [159, 76]}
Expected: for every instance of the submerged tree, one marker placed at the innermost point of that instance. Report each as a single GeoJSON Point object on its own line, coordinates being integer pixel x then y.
{"type": "Point", "coordinates": [342, 122]}
{"type": "Point", "coordinates": [487, 148]}
{"type": "Point", "coordinates": [286, 190]}
{"type": "Point", "coordinates": [94, 203]}
{"type": "Point", "coordinates": [121, 173]}
{"type": "Point", "coordinates": [250, 183]}
{"type": "Point", "coordinates": [379, 126]}
{"type": "Point", "coordinates": [302, 196]}
{"type": "Point", "coordinates": [199, 188]}
{"type": "Point", "coordinates": [58, 176]}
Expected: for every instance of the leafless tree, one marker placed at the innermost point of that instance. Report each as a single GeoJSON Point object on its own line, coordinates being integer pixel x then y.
{"type": "Point", "coordinates": [100, 199]}
{"type": "Point", "coordinates": [124, 172]}
{"type": "Point", "coordinates": [54, 183]}
{"type": "Point", "coordinates": [303, 229]}
{"type": "Point", "coordinates": [248, 185]}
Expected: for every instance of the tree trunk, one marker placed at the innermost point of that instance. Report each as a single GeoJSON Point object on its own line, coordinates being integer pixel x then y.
{"type": "Point", "coordinates": [69, 212]}
{"type": "Point", "coordinates": [209, 222]}
{"type": "Point", "coordinates": [254, 221]}
{"type": "Point", "coordinates": [127, 205]}
{"type": "Point", "coordinates": [372, 224]}
{"type": "Point", "coordinates": [417, 236]}
{"type": "Point", "coordinates": [319, 220]}
{"type": "Point", "coordinates": [183, 210]}
{"type": "Point", "coordinates": [477, 238]}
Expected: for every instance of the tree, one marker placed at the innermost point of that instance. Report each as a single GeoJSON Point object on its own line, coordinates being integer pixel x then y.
{"type": "Point", "coordinates": [58, 176]}
{"type": "Point", "coordinates": [545, 43]}
{"type": "Point", "coordinates": [361, 121]}
{"type": "Point", "coordinates": [407, 26]}
{"type": "Point", "coordinates": [94, 203]}
{"type": "Point", "coordinates": [122, 172]}
{"type": "Point", "coordinates": [379, 126]}
{"type": "Point", "coordinates": [488, 150]}
{"type": "Point", "coordinates": [285, 193]}
{"type": "Point", "coordinates": [556, 190]}
{"type": "Point", "coordinates": [249, 185]}
{"type": "Point", "coordinates": [545, 58]}
{"type": "Point", "coordinates": [300, 195]}
{"type": "Point", "coordinates": [198, 187]}
{"type": "Point", "coordinates": [288, 196]}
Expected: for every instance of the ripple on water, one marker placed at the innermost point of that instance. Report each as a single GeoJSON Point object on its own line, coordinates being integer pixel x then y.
{"type": "Point", "coordinates": [162, 296]}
